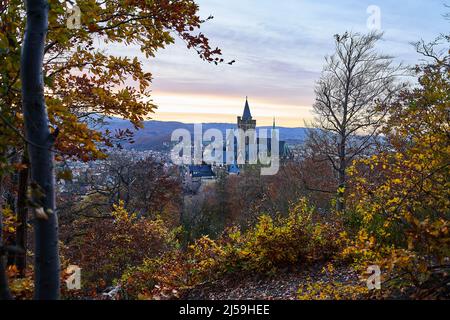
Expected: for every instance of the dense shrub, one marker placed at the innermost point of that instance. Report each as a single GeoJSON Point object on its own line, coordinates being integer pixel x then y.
{"type": "Point", "coordinates": [299, 238]}
{"type": "Point", "coordinates": [108, 247]}
{"type": "Point", "coordinates": [157, 278]}
{"type": "Point", "coordinates": [270, 245]}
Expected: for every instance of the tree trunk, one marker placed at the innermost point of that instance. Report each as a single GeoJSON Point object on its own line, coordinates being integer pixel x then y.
{"type": "Point", "coordinates": [342, 179]}
{"type": "Point", "coordinates": [10, 197]}
{"type": "Point", "coordinates": [22, 217]}
{"type": "Point", "coordinates": [5, 294]}
{"type": "Point", "coordinates": [40, 143]}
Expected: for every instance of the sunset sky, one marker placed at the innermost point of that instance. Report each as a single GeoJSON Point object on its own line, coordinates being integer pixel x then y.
{"type": "Point", "coordinates": [279, 47]}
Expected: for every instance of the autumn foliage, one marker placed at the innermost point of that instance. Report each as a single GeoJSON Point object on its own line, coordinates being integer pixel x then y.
{"type": "Point", "coordinates": [269, 246]}
{"type": "Point", "coordinates": [84, 81]}
{"type": "Point", "coordinates": [106, 248]}
{"type": "Point", "coordinates": [132, 232]}
{"type": "Point", "coordinates": [400, 197]}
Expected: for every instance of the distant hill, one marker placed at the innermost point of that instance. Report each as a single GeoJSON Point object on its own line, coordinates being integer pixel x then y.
{"type": "Point", "coordinates": [156, 133]}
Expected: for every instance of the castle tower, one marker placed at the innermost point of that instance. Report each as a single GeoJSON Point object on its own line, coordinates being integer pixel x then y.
{"type": "Point", "coordinates": [274, 127]}
{"type": "Point", "coordinates": [246, 122]}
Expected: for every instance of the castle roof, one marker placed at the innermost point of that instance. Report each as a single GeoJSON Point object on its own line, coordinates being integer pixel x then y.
{"type": "Point", "coordinates": [247, 114]}
{"type": "Point", "coordinates": [201, 171]}
{"type": "Point", "coordinates": [234, 169]}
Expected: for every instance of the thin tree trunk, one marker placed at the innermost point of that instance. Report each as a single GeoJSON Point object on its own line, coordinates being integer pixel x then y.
{"type": "Point", "coordinates": [40, 143]}
{"type": "Point", "coordinates": [22, 217]}
{"type": "Point", "coordinates": [10, 201]}
{"type": "Point", "coordinates": [5, 294]}
{"type": "Point", "coordinates": [342, 179]}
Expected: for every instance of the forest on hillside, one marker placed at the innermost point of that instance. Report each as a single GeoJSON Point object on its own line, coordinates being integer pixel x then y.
{"type": "Point", "coordinates": [366, 193]}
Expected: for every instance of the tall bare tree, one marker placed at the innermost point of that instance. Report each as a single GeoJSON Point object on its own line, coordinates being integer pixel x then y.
{"type": "Point", "coordinates": [355, 82]}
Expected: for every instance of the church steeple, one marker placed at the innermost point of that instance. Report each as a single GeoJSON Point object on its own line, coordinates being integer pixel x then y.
{"type": "Point", "coordinates": [246, 122]}
{"type": "Point", "coordinates": [247, 114]}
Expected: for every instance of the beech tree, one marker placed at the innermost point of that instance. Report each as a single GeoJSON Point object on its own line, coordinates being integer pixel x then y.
{"type": "Point", "coordinates": [355, 82]}
{"type": "Point", "coordinates": [41, 142]}
{"type": "Point", "coordinates": [57, 86]}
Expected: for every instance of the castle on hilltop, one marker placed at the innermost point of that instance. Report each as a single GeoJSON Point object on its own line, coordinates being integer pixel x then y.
{"type": "Point", "coordinates": [246, 123]}
{"type": "Point", "coordinates": [206, 173]}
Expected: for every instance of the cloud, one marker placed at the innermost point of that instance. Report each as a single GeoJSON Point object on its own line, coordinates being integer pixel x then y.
{"type": "Point", "coordinates": [279, 47]}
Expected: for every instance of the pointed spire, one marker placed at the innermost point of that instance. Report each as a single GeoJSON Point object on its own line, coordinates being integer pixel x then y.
{"type": "Point", "coordinates": [247, 114]}
{"type": "Point", "coordinates": [274, 127]}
